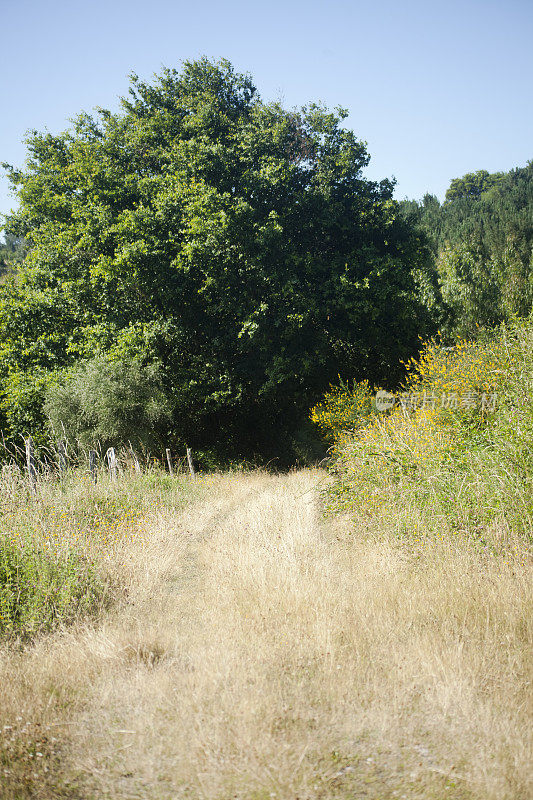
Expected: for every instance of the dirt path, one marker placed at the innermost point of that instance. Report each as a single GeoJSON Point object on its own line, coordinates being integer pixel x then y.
{"type": "Point", "coordinates": [188, 702]}
{"type": "Point", "coordinates": [264, 653]}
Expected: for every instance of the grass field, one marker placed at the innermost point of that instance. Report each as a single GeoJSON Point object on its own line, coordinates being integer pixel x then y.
{"type": "Point", "coordinates": [251, 648]}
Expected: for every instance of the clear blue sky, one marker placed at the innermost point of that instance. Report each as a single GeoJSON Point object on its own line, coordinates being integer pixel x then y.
{"type": "Point", "coordinates": [437, 89]}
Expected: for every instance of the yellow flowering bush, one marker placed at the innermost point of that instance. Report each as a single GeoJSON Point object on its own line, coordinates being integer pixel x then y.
{"type": "Point", "coordinates": [343, 409]}
{"type": "Point", "coordinates": [462, 373]}
{"type": "Point", "coordinates": [443, 382]}
{"type": "Point", "coordinates": [456, 445]}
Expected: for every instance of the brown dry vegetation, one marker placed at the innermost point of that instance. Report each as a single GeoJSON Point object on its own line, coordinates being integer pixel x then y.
{"type": "Point", "coordinates": [265, 652]}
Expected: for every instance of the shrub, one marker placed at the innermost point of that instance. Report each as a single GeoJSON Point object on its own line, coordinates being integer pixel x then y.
{"type": "Point", "coordinates": [113, 402]}
{"type": "Point", "coordinates": [343, 408]}
{"type": "Point", "coordinates": [458, 448]}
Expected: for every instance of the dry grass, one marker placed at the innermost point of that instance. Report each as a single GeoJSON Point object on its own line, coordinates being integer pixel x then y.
{"type": "Point", "coordinates": [266, 653]}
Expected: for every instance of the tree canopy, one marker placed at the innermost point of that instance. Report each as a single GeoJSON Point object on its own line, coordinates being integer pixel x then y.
{"type": "Point", "coordinates": [230, 244]}
{"type": "Point", "coordinates": [482, 241]}
{"type": "Point", "coordinates": [472, 185]}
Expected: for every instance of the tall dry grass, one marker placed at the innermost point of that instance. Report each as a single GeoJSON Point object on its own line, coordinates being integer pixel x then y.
{"type": "Point", "coordinates": [264, 652]}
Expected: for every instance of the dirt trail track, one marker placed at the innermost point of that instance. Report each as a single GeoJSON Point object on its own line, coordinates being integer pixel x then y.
{"type": "Point", "coordinates": [265, 653]}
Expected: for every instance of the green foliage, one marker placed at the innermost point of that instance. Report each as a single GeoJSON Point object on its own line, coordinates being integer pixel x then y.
{"type": "Point", "coordinates": [108, 402]}
{"type": "Point", "coordinates": [12, 254]}
{"type": "Point", "coordinates": [22, 404]}
{"type": "Point", "coordinates": [472, 185]}
{"type": "Point", "coordinates": [40, 588]}
{"type": "Point", "coordinates": [482, 240]}
{"type": "Point", "coordinates": [470, 287]}
{"type": "Point", "coordinates": [238, 241]}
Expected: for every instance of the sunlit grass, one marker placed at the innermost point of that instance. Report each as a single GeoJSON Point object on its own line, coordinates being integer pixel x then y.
{"type": "Point", "coordinates": [59, 545]}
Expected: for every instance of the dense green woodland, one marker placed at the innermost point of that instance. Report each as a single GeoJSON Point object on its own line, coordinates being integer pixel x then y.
{"type": "Point", "coordinates": [200, 266]}
{"type": "Point", "coordinates": [482, 242]}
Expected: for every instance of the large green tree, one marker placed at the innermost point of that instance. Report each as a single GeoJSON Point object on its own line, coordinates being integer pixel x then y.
{"type": "Point", "coordinates": [232, 243]}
